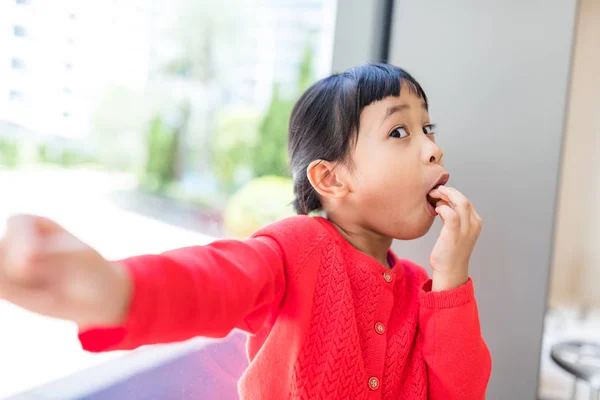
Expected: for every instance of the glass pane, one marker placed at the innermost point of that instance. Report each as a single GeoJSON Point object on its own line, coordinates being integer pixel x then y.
{"type": "Point", "coordinates": [143, 126]}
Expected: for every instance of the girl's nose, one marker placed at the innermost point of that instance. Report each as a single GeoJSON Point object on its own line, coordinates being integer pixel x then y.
{"type": "Point", "coordinates": [433, 153]}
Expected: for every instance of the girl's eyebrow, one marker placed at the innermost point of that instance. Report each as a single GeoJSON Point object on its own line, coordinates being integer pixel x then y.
{"type": "Point", "coordinates": [398, 108]}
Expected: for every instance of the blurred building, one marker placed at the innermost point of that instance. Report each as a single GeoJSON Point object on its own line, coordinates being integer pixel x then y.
{"type": "Point", "coordinates": [58, 57]}
{"type": "Point", "coordinates": [284, 29]}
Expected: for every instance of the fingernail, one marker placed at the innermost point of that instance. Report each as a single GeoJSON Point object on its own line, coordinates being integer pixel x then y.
{"type": "Point", "coordinates": [442, 187]}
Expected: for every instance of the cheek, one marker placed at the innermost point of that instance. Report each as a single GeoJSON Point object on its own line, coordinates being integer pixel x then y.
{"type": "Point", "coordinates": [403, 176]}
{"type": "Point", "coordinates": [388, 174]}
{"type": "Point", "coordinates": [391, 182]}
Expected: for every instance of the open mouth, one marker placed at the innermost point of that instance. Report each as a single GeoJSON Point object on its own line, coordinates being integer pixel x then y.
{"type": "Point", "coordinates": [441, 181]}
{"type": "Point", "coordinates": [433, 200]}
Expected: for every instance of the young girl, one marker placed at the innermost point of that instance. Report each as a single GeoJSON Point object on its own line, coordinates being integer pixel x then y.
{"type": "Point", "coordinates": [330, 311]}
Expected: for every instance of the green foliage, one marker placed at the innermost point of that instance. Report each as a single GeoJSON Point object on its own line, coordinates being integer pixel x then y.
{"type": "Point", "coordinates": [9, 153]}
{"type": "Point", "coordinates": [269, 155]}
{"type": "Point", "coordinates": [268, 197]}
{"type": "Point", "coordinates": [246, 145]}
{"type": "Point", "coordinates": [261, 202]}
{"type": "Point", "coordinates": [43, 154]}
{"type": "Point", "coordinates": [179, 67]}
{"type": "Point", "coordinates": [158, 169]}
{"type": "Point", "coordinates": [64, 157]}
{"type": "Point", "coordinates": [305, 75]}
{"type": "Point", "coordinates": [236, 132]}
{"type": "Point", "coordinates": [163, 150]}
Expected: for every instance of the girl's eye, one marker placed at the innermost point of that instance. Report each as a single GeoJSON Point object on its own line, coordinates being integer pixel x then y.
{"type": "Point", "coordinates": [429, 129]}
{"type": "Point", "coordinates": [399, 133]}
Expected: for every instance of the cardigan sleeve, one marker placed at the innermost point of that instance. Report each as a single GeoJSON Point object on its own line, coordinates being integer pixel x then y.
{"type": "Point", "coordinates": [196, 291]}
{"type": "Point", "coordinates": [458, 360]}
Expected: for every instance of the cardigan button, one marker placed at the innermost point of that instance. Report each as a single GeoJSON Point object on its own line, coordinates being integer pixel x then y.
{"type": "Point", "coordinates": [387, 277]}
{"type": "Point", "coordinates": [373, 383]}
{"type": "Point", "coordinates": [380, 328]}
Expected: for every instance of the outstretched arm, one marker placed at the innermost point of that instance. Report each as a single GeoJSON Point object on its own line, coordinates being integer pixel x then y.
{"type": "Point", "coordinates": [196, 291]}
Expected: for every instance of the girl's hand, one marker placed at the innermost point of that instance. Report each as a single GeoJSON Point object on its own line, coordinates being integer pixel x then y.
{"type": "Point", "coordinates": [47, 270]}
{"type": "Point", "coordinates": [450, 256]}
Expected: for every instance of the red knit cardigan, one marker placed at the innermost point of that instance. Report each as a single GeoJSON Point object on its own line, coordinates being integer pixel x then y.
{"type": "Point", "coordinates": [325, 321]}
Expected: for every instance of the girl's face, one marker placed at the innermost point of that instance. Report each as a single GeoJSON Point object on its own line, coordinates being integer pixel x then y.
{"type": "Point", "coordinates": [396, 163]}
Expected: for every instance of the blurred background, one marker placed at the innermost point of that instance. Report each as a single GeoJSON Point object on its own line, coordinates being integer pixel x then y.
{"type": "Point", "coordinates": [144, 125]}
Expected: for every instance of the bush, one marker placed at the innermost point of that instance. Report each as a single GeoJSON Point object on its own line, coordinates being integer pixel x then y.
{"type": "Point", "coordinates": [9, 153]}
{"type": "Point", "coordinates": [235, 134]}
{"type": "Point", "coordinates": [64, 157]}
{"type": "Point", "coordinates": [262, 201]}
{"type": "Point", "coordinates": [269, 154]}
{"type": "Point", "coordinates": [246, 144]}
{"type": "Point", "coordinates": [158, 171]}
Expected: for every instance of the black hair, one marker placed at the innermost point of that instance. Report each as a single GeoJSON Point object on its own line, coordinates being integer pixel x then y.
{"type": "Point", "coordinates": [325, 120]}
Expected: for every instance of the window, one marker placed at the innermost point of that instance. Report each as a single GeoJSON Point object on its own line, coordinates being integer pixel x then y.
{"type": "Point", "coordinates": [18, 31]}
{"type": "Point", "coordinates": [14, 95]}
{"type": "Point", "coordinates": [17, 63]}
{"type": "Point", "coordinates": [103, 125]}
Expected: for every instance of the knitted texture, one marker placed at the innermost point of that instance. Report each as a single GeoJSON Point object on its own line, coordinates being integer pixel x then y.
{"type": "Point", "coordinates": [342, 344]}
{"type": "Point", "coordinates": [325, 321]}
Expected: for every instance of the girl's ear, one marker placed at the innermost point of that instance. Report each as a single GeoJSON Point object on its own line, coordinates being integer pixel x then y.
{"type": "Point", "coordinates": [327, 180]}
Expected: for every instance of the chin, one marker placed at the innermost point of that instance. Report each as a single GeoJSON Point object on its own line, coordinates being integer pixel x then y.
{"type": "Point", "coordinates": [414, 229]}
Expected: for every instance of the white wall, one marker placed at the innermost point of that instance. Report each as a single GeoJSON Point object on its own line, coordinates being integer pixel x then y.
{"type": "Point", "coordinates": [497, 75]}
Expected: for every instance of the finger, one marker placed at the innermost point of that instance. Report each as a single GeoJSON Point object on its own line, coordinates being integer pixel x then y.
{"type": "Point", "coordinates": [461, 204]}
{"type": "Point", "coordinates": [449, 217]}
{"type": "Point", "coordinates": [37, 300]}
{"type": "Point", "coordinates": [19, 247]}
{"type": "Point", "coordinates": [476, 214]}
{"type": "Point", "coordinates": [55, 252]}
{"type": "Point", "coordinates": [451, 195]}
{"type": "Point", "coordinates": [32, 224]}
{"type": "Point", "coordinates": [28, 241]}
{"type": "Point", "coordinates": [441, 202]}
{"type": "Point", "coordinates": [476, 221]}
{"type": "Point", "coordinates": [47, 226]}
{"type": "Point", "coordinates": [60, 245]}
{"type": "Point", "coordinates": [437, 194]}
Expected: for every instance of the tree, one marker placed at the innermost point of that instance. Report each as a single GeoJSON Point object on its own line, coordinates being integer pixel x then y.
{"type": "Point", "coordinates": [270, 155]}
{"type": "Point", "coordinates": [208, 36]}
{"type": "Point", "coordinates": [306, 75]}
{"type": "Point", "coordinates": [162, 149]}
{"type": "Point", "coordinates": [236, 131]}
